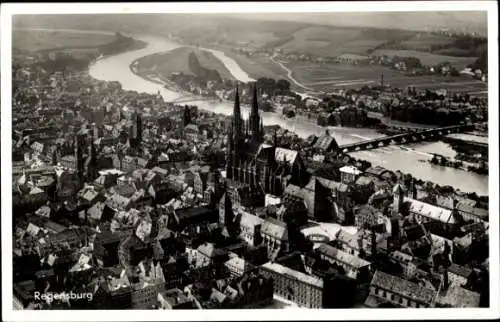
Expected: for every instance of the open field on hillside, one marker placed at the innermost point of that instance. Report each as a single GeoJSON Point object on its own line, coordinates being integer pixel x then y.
{"type": "Point", "coordinates": [333, 41]}
{"type": "Point", "coordinates": [35, 40]}
{"type": "Point", "coordinates": [259, 66]}
{"type": "Point", "coordinates": [424, 41]}
{"type": "Point", "coordinates": [254, 66]}
{"type": "Point", "coordinates": [176, 61]}
{"type": "Point", "coordinates": [331, 77]}
{"type": "Point", "coordinates": [240, 32]}
{"type": "Point", "coordinates": [428, 59]}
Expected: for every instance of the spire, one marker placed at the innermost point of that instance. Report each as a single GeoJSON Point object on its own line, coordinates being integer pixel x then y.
{"type": "Point", "coordinates": [237, 120]}
{"type": "Point", "coordinates": [254, 119]}
{"type": "Point", "coordinates": [255, 104]}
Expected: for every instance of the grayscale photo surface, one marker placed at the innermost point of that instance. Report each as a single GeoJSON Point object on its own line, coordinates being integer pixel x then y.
{"type": "Point", "coordinates": [250, 161]}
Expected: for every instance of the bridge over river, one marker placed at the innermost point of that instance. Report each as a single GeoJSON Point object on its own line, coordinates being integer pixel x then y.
{"type": "Point", "coordinates": [409, 137]}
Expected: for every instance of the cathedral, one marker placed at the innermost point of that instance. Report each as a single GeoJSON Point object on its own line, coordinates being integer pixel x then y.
{"type": "Point", "coordinates": [251, 162]}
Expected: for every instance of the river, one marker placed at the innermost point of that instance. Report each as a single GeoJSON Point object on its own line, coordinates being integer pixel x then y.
{"type": "Point", "coordinates": [116, 68]}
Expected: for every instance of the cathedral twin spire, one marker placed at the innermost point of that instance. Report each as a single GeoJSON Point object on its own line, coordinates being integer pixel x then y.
{"type": "Point", "coordinates": [254, 127]}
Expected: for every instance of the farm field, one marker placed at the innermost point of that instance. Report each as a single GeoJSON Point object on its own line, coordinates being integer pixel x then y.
{"type": "Point", "coordinates": [424, 41]}
{"type": "Point", "coordinates": [36, 40]}
{"type": "Point", "coordinates": [327, 41]}
{"type": "Point", "coordinates": [176, 61]}
{"type": "Point", "coordinates": [428, 59]}
{"type": "Point", "coordinates": [254, 66]}
{"type": "Point", "coordinates": [332, 77]}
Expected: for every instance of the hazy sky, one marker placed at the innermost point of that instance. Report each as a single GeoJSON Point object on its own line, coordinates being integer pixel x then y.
{"type": "Point", "coordinates": [472, 21]}
{"type": "Point", "coordinates": [457, 21]}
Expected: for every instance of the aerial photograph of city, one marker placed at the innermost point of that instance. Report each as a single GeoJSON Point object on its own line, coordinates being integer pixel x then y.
{"type": "Point", "coordinates": [191, 161]}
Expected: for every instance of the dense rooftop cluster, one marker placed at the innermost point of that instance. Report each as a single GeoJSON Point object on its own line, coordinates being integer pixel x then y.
{"type": "Point", "coordinates": [145, 204]}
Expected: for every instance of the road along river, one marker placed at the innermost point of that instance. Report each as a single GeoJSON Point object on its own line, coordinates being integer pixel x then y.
{"type": "Point", "coordinates": [410, 160]}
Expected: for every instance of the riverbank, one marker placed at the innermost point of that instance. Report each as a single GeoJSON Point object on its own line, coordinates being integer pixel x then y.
{"type": "Point", "coordinates": [393, 158]}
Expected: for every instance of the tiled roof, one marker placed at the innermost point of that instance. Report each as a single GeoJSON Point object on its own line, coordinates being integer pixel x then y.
{"type": "Point", "coordinates": [376, 171]}
{"type": "Point", "coordinates": [325, 142]}
{"type": "Point", "coordinates": [209, 250]}
{"type": "Point", "coordinates": [444, 201]}
{"type": "Point", "coordinates": [282, 154]}
{"type": "Point", "coordinates": [249, 220]}
{"type": "Point", "coordinates": [341, 256]}
{"type": "Point", "coordinates": [293, 190]}
{"type": "Point", "coordinates": [401, 257]}
{"type": "Point", "coordinates": [117, 201]}
{"type": "Point", "coordinates": [275, 229]}
{"type": "Point", "coordinates": [362, 181]}
{"type": "Point", "coordinates": [293, 274]}
{"type": "Point", "coordinates": [350, 240]}
{"type": "Point", "coordinates": [95, 212]}
{"type": "Point", "coordinates": [402, 287]}
{"type": "Point", "coordinates": [460, 270]}
{"type": "Point", "coordinates": [459, 297]}
{"type": "Point", "coordinates": [430, 211]}
{"type": "Point", "coordinates": [36, 191]}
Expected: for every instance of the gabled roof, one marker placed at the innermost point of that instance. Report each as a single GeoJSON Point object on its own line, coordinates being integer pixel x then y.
{"type": "Point", "coordinates": [351, 240]}
{"type": "Point", "coordinates": [403, 287]}
{"type": "Point", "coordinates": [209, 250]}
{"type": "Point", "coordinates": [96, 211]}
{"type": "Point", "coordinates": [398, 189]}
{"type": "Point", "coordinates": [337, 254]}
{"type": "Point", "coordinates": [325, 142]}
{"type": "Point", "coordinates": [430, 211]}
{"type": "Point", "coordinates": [293, 274]}
{"type": "Point", "coordinates": [363, 181]}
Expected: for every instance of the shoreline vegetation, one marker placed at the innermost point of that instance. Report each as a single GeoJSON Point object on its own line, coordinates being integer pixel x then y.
{"type": "Point", "coordinates": [71, 58]}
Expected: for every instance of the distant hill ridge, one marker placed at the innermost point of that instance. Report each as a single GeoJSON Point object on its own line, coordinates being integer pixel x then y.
{"type": "Point", "coordinates": [474, 21]}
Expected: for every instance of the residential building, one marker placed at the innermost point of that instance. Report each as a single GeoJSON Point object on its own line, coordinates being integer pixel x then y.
{"type": "Point", "coordinates": [397, 292]}
{"type": "Point", "coordinates": [304, 290]}
{"type": "Point", "coordinates": [354, 267]}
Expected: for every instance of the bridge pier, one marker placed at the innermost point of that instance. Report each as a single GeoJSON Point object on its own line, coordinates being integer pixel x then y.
{"type": "Point", "coordinates": [412, 135]}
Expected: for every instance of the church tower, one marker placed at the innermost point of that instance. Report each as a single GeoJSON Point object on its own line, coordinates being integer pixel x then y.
{"type": "Point", "coordinates": [138, 127]}
{"type": "Point", "coordinates": [92, 164]}
{"type": "Point", "coordinates": [225, 210]}
{"type": "Point", "coordinates": [254, 119]}
{"type": "Point", "coordinates": [79, 158]}
{"type": "Point", "coordinates": [237, 124]}
{"type": "Point", "coordinates": [135, 140]}
{"type": "Point", "coordinates": [398, 197]}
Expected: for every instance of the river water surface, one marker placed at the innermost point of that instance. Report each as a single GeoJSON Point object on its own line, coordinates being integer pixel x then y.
{"type": "Point", "coordinates": [409, 160]}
